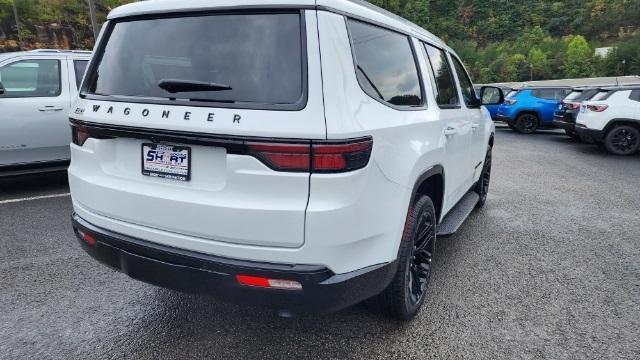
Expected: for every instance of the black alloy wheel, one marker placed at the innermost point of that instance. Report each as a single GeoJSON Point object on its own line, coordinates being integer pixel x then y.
{"type": "Point", "coordinates": [622, 140]}
{"type": "Point", "coordinates": [407, 291]}
{"type": "Point", "coordinates": [482, 186]}
{"type": "Point", "coordinates": [526, 123]}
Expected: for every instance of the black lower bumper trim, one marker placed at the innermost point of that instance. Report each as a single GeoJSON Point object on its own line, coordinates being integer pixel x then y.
{"type": "Point", "coordinates": [561, 124]}
{"type": "Point", "coordinates": [188, 271]}
{"type": "Point", "coordinates": [592, 134]}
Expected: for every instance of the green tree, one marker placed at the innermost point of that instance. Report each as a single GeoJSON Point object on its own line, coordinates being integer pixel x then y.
{"type": "Point", "coordinates": [579, 58]}
{"type": "Point", "coordinates": [538, 63]}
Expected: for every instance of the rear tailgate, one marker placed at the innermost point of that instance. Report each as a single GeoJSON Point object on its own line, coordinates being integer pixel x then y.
{"type": "Point", "coordinates": [269, 60]}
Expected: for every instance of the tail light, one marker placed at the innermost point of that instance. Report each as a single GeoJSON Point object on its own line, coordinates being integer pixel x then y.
{"type": "Point", "coordinates": [571, 106]}
{"type": "Point", "coordinates": [79, 134]}
{"type": "Point", "coordinates": [597, 108]}
{"type": "Point", "coordinates": [317, 156]}
{"type": "Point", "coordinates": [510, 101]}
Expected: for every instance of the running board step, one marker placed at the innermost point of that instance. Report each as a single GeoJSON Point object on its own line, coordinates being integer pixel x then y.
{"type": "Point", "coordinates": [458, 214]}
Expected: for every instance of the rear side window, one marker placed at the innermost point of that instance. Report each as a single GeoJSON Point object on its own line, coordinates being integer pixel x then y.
{"type": "Point", "coordinates": [466, 85]}
{"type": "Point", "coordinates": [31, 78]}
{"type": "Point", "coordinates": [80, 66]}
{"type": "Point", "coordinates": [447, 94]}
{"type": "Point", "coordinates": [246, 60]}
{"type": "Point", "coordinates": [635, 95]}
{"type": "Point", "coordinates": [385, 65]}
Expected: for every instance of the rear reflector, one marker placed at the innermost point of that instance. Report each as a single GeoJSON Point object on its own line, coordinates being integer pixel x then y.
{"type": "Point", "coordinates": [268, 283]}
{"type": "Point", "coordinates": [316, 156]}
{"type": "Point", "coordinates": [87, 238]}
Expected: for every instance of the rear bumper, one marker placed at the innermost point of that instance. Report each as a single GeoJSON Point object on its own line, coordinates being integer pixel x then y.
{"type": "Point", "coordinates": [585, 132]}
{"type": "Point", "coordinates": [188, 271]}
{"type": "Point", "coordinates": [561, 123]}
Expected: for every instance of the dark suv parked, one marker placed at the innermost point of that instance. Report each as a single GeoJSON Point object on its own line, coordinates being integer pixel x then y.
{"type": "Point", "coordinates": [567, 112]}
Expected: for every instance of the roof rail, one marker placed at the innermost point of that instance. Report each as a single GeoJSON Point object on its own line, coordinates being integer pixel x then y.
{"type": "Point", "coordinates": [60, 51]}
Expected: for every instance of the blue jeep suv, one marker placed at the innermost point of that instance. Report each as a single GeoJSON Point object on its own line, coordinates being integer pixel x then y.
{"type": "Point", "coordinates": [493, 109]}
{"type": "Point", "coordinates": [531, 108]}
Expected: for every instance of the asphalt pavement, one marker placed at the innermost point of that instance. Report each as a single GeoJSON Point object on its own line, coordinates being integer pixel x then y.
{"type": "Point", "coordinates": [549, 269]}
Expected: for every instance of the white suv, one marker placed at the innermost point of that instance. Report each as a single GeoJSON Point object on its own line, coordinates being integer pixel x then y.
{"type": "Point", "coordinates": [612, 117]}
{"type": "Point", "coordinates": [37, 89]}
{"type": "Point", "coordinates": [300, 154]}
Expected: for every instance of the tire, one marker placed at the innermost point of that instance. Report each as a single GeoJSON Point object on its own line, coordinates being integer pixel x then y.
{"type": "Point", "coordinates": [405, 294]}
{"type": "Point", "coordinates": [573, 135]}
{"type": "Point", "coordinates": [527, 123]}
{"type": "Point", "coordinates": [482, 186]}
{"type": "Point", "coordinates": [622, 140]}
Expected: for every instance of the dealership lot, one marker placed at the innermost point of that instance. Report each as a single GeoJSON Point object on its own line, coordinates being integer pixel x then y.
{"type": "Point", "coordinates": [548, 269]}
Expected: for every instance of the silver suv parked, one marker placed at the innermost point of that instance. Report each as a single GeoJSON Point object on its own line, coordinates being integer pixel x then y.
{"type": "Point", "coordinates": [36, 90]}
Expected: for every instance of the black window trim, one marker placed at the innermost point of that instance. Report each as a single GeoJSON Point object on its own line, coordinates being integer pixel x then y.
{"type": "Point", "coordinates": [420, 107]}
{"type": "Point", "coordinates": [435, 84]}
{"type": "Point", "coordinates": [636, 97]}
{"type": "Point", "coordinates": [477, 105]}
{"type": "Point", "coordinates": [301, 104]}
{"type": "Point", "coordinates": [3, 96]}
{"type": "Point", "coordinates": [75, 71]}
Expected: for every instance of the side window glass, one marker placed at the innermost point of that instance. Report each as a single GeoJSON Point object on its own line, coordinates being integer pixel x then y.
{"type": "Point", "coordinates": [635, 95]}
{"type": "Point", "coordinates": [385, 65]}
{"type": "Point", "coordinates": [31, 78]}
{"type": "Point", "coordinates": [80, 66]}
{"type": "Point", "coordinates": [447, 94]}
{"type": "Point", "coordinates": [468, 93]}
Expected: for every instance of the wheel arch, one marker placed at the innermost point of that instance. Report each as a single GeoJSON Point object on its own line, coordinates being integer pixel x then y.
{"type": "Point", "coordinates": [621, 121]}
{"type": "Point", "coordinates": [530, 111]}
{"type": "Point", "coordinates": [431, 183]}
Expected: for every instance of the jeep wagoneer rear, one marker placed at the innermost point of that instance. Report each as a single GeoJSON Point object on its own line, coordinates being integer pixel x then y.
{"type": "Point", "coordinates": [264, 151]}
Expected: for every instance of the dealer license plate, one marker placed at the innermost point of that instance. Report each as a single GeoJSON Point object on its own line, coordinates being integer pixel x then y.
{"type": "Point", "coordinates": [166, 161]}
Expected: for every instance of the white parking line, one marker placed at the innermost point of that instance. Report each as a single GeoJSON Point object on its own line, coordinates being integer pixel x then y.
{"type": "Point", "coordinates": [34, 198]}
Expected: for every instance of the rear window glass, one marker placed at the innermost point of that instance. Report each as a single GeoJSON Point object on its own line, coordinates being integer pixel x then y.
{"type": "Point", "coordinates": [250, 58]}
{"type": "Point", "coordinates": [513, 93]}
{"type": "Point", "coordinates": [573, 95]}
{"type": "Point", "coordinates": [599, 95]}
{"type": "Point", "coordinates": [385, 65]}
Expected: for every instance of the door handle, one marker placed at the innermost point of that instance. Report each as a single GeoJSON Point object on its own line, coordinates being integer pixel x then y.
{"type": "Point", "coordinates": [51, 108]}
{"type": "Point", "coordinates": [450, 131]}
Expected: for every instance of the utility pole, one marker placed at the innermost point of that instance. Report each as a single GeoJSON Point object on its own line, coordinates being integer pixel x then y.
{"type": "Point", "coordinates": [94, 21]}
{"type": "Point", "coordinates": [15, 15]}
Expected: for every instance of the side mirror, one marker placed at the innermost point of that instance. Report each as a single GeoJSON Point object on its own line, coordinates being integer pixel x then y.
{"type": "Point", "coordinates": [491, 95]}
{"type": "Point", "coordinates": [1, 89]}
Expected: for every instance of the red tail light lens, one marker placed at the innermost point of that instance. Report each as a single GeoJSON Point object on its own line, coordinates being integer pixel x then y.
{"type": "Point", "coordinates": [316, 156]}
{"type": "Point", "coordinates": [571, 106]}
{"type": "Point", "coordinates": [282, 157]}
{"type": "Point", "coordinates": [341, 157]}
{"type": "Point", "coordinates": [79, 135]}
{"type": "Point", "coordinates": [597, 108]}
{"type": "Point", "coordinates": [510, 101]}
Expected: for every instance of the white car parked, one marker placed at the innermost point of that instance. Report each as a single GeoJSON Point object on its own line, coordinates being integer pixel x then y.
{"type": "Point", "coordinates": [612, 117]}
{"type": "Point", "coordinates": [37, 89]}
{"type": "Point", "coordinates": [302, 154]}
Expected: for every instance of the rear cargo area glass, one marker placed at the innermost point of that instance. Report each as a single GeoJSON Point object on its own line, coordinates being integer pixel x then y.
{"type": "Point", "coordinates": [258, 56]}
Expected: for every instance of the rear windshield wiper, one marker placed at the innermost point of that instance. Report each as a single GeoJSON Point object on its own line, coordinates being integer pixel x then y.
{"type": "Point", "coordinates": [175, 86]}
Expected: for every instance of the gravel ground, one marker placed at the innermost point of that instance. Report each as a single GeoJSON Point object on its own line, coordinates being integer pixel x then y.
{"type": "Point", "coordinates": [548, 269]}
